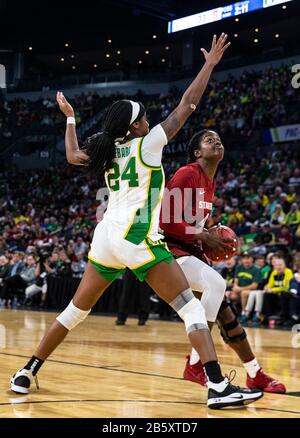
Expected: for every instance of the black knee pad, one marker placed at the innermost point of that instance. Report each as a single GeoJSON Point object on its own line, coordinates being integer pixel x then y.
{"type": "Point", "coordinates": [227, 320]}
{"type": "Point", "coordinates": [227, 303]}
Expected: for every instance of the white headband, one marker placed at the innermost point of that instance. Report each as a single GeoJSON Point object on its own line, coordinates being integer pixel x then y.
{"type": "Point", "coordinates": [135, 110]}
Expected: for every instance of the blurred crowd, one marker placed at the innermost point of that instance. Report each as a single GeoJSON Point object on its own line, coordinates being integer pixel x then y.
{"type": "Point", "coordinates": [21, 117]}
{"type": "Point", "coordinates": [235, 107]}
{"type": "Point", "coordinates": [47, 217]}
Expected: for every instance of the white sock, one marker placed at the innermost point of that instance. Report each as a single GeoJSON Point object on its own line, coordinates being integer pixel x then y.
{"type": "Point", "coordinates": [194, 357]}
{"type": "Point", "coordinates": [219, 387]}
{"type": "Point", "coordinates": [252, 367]}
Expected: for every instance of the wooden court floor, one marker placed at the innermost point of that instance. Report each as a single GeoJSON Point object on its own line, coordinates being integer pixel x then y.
{"type": "Point", "coordinates": [102, 370]}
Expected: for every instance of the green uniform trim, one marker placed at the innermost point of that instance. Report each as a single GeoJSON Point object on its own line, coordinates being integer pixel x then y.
{"type": "Point", "coordinates": [141, 224]}
{"type": "Point", "coordinates": [161, 254]}
{"type": "Point", "coordinates": [110, 274]}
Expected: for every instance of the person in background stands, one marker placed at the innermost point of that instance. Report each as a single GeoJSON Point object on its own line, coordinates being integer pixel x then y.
{"type": "Point", "coordinates": [15, 283]}
{"type": "Point", "coordinates": [142, 297]}
{"type": "Point", "coordinates": [294, 295]}
{"type": "Point", "coordinates": [247, 278]}
{"type": "Point", "coordinates": [228, 274]}
{"type": "Point", "coordinates": [276, 290]}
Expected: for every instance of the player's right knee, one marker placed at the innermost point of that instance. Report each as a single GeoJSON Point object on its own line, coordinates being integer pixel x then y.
{"type": "Point", "coordinates": [190, 311]}
{"type": "Point", "coordinates": [72, 316]}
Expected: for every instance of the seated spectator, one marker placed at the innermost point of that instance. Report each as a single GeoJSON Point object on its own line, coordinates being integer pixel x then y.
{"type": "Point", "coordinates": [294, 181]}
{"type": "Point", "coordinates": [3, 246]}
{"type": "Point", "coordinates": [142, 293]}
{"type": "Point", "coordinates": [228, 274]}
{"type": "Point", "coordinates": [78, 266]}
{"type": "Point", "coordinates": [270, 207]}
{"type": "Point", "coordinates": [262, 198]}
{"type": "Point", "coordinates": [4, 270]}
{"type": "Point", "coordinates": [293, 216]}
{"type": "Point", "coordinates": [43, 268]}
{"type": "Point", "coordinates": [247, 278]}
{"type": "Point", "coordinates": [284, 203]}
{"type": "Point", "coordinates": [265, 270]}
{"type": "Point", "coordinates": [249, 239]}
{"type": "Point", "coordinates": [265, 235]}
{"type": "Point", "coordinates": [294, 296]}
{"type": "Point", "coordinates": [275, 296]}
{"type": "Point", "coordinates": [255, 300]}
{"type": "Point", "coordinates": [80, 247]}
{"type": "Point", "coordinates": [16, 264]}
{"type": "Point", "coordinates": [291, 195]}
{"type": "Point", "coordinates": [13, 284]}
{"type": "Point", "coordinates": [284, 237]}
{"type": "Point", "coordinates": [278, 217]}
{"type": "Point", "coordinates": [297, 239]}
{"type": "Point", "coordinates": [70, 248]}
{"type": "Point", "coordinates": [235, 217]}
{"type": "Point", "coordinates": [4, 267]}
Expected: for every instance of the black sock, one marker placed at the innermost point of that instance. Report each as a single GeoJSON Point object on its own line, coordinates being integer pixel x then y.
{"type": "Point", "coordinates": [213, 371]}
{"type": "Point", "coordinates": [34, 364]}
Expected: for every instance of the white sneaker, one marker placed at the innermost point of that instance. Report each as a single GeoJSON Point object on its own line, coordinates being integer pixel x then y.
{"type": "Point", "coordinates": [21, 381]}
{"type": "Point", "coordinates": [232, 396]}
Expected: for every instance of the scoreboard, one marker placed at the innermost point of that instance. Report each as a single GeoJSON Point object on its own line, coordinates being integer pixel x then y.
{"type": "Point", "coordinates": [221, 13]}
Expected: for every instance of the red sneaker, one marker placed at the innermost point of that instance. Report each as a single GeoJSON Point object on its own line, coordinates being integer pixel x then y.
{"type": "Point", "coordinates": [265, 383]}
{"type": "Point", "coordinates": [194, 373]}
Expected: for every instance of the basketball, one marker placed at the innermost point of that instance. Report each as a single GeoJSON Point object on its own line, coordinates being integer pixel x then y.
{"type": "Point", "coordinates": [231, 250]}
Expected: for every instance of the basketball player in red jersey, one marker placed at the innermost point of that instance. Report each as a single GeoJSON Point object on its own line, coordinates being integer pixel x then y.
{"type": "Point", "coordinates": [186, 206]}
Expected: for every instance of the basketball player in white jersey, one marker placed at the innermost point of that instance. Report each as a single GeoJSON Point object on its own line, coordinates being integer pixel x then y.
{"type": "Point", "coordinates": [130, 157]}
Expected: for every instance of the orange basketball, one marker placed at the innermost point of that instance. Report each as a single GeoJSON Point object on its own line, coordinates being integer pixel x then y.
{"type": "Point", "coordinates": [230, 251]}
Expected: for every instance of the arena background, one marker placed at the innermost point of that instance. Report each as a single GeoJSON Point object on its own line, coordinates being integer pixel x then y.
{"type": "Point", "coordinates": [122, 49]}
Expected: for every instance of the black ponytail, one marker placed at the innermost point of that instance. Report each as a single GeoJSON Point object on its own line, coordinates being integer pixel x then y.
{"type": "Point", "coordinates": [100, 147]}
{"type": "Point", "coordinates": [195, 144]}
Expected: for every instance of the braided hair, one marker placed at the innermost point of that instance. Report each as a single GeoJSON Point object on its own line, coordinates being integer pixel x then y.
{"type": "Point", "coordinates": [100, 147]}
{"type": "Point", "coordinates": [195, 144]}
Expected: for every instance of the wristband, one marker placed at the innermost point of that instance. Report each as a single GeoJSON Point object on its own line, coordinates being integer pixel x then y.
{"type": "Point", "coordinates": [71, 121]}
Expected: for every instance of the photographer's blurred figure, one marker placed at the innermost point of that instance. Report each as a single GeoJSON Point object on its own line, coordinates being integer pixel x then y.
{"type": "Point", "coordinates": [43, 268]}
{"type": "Point", "coordinates": [64, 264]}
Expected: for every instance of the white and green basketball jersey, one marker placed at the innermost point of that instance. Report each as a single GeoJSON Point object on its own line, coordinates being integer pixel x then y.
{"type": "Point", "coordinates": [136, 183]}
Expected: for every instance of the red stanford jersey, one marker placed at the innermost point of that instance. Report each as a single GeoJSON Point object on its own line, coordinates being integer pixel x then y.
{"type": "Point", "coordinates": [187, 203]}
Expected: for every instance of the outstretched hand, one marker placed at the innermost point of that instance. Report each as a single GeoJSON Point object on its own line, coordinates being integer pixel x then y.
{"type": "Point", "coordinates": [64, 105]}
{"type": "Point", "coordinates": [217, 49]}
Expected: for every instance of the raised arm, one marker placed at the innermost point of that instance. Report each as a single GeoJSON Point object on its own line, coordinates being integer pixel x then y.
{"type": "Point", "coordinates": [193, 94]}
{"type": "Point", "coordinates": [73, 153]}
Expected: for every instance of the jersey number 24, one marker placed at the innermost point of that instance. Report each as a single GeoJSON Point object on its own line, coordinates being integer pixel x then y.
{"type": "Point", "coordinates": [129, 173]}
